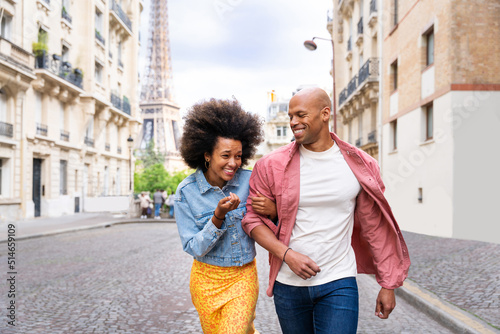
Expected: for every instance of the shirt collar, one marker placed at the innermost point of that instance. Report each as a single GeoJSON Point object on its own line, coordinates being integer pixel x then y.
{"type": "Point", "coordinates": [204, 186]}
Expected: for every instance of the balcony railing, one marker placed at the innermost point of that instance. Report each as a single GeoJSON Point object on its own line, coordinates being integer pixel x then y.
{"type": "Point", "coordinates": [119, 150]}
{"type": "Point", "coordinates": [99, 37]}
{"type": "Point", "coordinates": [41, 129]}
{"type": "Point", "coordinates": [107, 147]}
{"type": "Point", "coordinates": [66, 16]}
{"type": "Point", "coordinates": [60, 68]}
{"type": "Point", "coordinates": [372, 136]}
{"type": "Point", "coordinates": [360, 26]}
{"type": "Point", "coordinates": [123, 105]}
{"type": "Point", "coordinates": [353, 84]}
{"type": "Point", "coordinates": [64, 135]}
{"type": "Point", "coordinates": [6, 129]}
{"type": "Point", "coordinates": [89, 141]}
{"type": "Point", "coordinates": [121, 14]}
{"type": "Point", "coordinates": [373, 6]}
{"type": "Point", "coordinates": [369, 72]}
{"type": "Point", "coordinates": [358, 142]}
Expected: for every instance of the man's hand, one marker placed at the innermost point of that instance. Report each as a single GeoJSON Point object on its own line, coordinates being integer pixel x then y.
{"type": "Point", "coordinates": [264, 206]}
{"type": "Point", "coordinates": [386, 302]}
{"type": "Point", "coordinates": [301, 265]}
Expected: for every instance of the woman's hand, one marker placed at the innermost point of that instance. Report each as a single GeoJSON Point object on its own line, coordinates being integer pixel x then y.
{"type": "Point", "coordinates": [264, 206]}
{"type": "Point", "coordinates": [227, 204]}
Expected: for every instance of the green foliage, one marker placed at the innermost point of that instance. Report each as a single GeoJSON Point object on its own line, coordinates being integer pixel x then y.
{"type": "Point", "coordinates": [156, 177]}
{"type": "Point", "coordinates": [150, 174]}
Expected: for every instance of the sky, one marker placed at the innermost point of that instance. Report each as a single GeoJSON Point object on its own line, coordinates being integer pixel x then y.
{"type": "Point", "coordinates": [244, 48]}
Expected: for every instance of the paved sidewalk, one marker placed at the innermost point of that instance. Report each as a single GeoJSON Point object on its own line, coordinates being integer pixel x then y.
{"type": "Point", "coordinates": [457, 282]}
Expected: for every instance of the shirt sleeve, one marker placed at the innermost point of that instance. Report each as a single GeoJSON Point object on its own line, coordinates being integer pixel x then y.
{"type": "Point", "coordinates": [258, 184]}
{"type": "Point", "coordinates": [196, 241]}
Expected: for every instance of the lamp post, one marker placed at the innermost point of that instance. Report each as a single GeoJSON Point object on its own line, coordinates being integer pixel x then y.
{"type": "Point", "coordinates": [310, 45]}
{"type": "Point", "coordinates": [130, 143]}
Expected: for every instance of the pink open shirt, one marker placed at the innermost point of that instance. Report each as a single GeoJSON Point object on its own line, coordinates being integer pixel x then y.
{"type": "Point", "coordinates": [377, 241]}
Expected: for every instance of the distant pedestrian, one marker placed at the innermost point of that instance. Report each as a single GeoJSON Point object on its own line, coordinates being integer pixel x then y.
{"type": "Point", "coordinates": [158, 200]}
{"type": "Point", "coordinates": [170, 203]}
{"type": "Point", "coordinates": [144, 202]}
{"type": "Point", "coordinates": [219, 137]}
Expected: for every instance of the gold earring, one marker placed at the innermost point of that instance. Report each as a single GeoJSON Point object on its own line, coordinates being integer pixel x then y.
{"type": "Point", "coordinates": [207, 164]}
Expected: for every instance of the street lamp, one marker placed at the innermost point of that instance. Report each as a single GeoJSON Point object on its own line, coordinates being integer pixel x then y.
{"type": "Point", "coordinates": [310, 45]}
{"type": "Point", "coordinates": [130, 143]}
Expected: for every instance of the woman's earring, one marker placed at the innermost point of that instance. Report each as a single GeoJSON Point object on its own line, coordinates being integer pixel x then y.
{"type": "Point", "coordinates": [207, 164]}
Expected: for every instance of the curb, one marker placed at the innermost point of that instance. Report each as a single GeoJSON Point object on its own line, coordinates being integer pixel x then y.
{"type": "Point", "coordinates": [90, 227]}
{"type": "Point", "coordinates": [447, 314]}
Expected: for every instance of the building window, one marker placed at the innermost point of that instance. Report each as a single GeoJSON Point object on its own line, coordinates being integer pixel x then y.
{"type": "Point", "coordinates": [6, 26]}
{"type": "Point", "coordinates": [63, 177]}
{"type": "Point", "coordinates": [98, 22]}
{"type": "Point", "coordinates": [281, 131]}
{"type": "Point", "coordinates": [429, 122]}
{"type": "Point", "coordinates": [3, 106]}
{"type": "Point", "coordinates": [394, 76]}
{"type": "Point", "coordinates": [62, 117]}
{"type": "Point", "coordinates": [394, 135]}
{"type": "Point", "coordinates": [396, 12]}
{"type": "Point", "coordinates": [65, 53]}
{"type": "Point", "coordinates": [106, 181]}
{"type": "Point", "coordinates": [429, 37]}
{"type": "Point", "coordinates": [1, 184]}
{"type": "Point", "coordinates": [98, 72]}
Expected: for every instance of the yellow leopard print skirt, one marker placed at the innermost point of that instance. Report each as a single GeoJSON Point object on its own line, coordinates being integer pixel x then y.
{"type": "Point", "coordinates": [225, 297]}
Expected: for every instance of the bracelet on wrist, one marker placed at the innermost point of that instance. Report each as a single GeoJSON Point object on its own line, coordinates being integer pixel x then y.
{"type": "Point", "coordinates": [285, 254]}
{"type": "Point", "coordinates": [218, 217]}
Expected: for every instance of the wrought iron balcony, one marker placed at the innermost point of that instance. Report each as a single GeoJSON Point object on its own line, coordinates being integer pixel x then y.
{"type": "Point", "coordinates": [358, 142]}
{"type": "Point", "coordinates": [89, 141]}
{"type": "Point", "coordinates": [120, 13]}
{"type": "Point", "coordinates": [123, 105]}
{"type": "Point", "coordinates": [60, 68]}
{"type": "Point", "coordinates": [41, 129]}
{"type": "Point", "coordinates": [107, 147]}
{"type": "Point", "coordinates": [373, 6]}
{"type": "Point", "coordinates": [99, 37]}
{"type": "Point", "coordinates": [369, 71]}
{"type": "Point", "coordinates": [360, 26]}
{"type": "Point", "coordinates": [372, 136]}
{"type": "Point", "coordinates": [353, 84]}
{"type": "Point", "coordinates": [66, 16]}
{"type": "Point", "coordinates": [6, 129]}
{"type": "Point", "coordinates": [64, 135]}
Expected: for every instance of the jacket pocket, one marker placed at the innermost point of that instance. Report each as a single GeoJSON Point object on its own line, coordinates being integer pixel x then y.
{"type": "Point", "coordinates": [202, 219]}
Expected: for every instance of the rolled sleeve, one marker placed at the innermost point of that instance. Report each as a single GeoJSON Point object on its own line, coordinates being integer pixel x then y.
{"type": "Point", "coordinates": [196, 241]}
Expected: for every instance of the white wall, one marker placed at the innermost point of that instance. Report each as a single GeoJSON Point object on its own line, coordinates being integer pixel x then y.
{"type": "Point", "coordinates": [476, 159]}
{"type": "Point", "coordinates": [421, 165]}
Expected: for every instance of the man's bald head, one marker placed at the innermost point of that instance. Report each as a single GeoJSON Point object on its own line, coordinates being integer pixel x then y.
{"type": "Point", "coordinates": [317, 96]}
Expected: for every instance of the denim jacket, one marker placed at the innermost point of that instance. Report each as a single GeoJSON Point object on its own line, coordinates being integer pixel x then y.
{"type": "Point", "coordinates": [195, 202]}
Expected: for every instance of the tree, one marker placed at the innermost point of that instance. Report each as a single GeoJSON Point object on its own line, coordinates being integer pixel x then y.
{"type": "Point", "coordinates": [150, 156]}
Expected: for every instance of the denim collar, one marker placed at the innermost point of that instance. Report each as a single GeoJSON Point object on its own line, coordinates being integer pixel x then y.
{"type": "Point", "coordinates": [204, 186]}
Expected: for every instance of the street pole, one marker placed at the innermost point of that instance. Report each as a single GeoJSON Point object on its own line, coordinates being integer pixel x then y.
{"type": "Point", "coordinates": [310, 45]}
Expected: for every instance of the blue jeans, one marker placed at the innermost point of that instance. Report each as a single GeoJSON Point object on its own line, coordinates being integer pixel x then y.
{"type": "Point", "coordinates": [328, 308]}
{"type": "Point", "coordinates": [157, 209]}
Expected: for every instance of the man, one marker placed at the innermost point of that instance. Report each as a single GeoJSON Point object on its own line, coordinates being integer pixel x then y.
{"type": "Point", "coordinates": [158, 200]}
{"type": "Point", "coordinates": [332, 222]}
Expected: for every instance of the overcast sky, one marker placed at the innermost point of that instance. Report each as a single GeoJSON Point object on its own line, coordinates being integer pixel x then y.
{"type": "Point", "coordinates": [244, 48]}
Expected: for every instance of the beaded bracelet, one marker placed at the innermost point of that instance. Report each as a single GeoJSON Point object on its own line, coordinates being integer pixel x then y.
{"type": "Point", "coordinates": [285, 254]}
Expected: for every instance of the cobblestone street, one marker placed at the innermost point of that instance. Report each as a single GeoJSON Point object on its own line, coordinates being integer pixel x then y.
{"type": "Point", "coordinates": [134, 278]}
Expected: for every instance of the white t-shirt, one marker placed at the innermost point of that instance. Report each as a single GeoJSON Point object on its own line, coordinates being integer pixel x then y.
{"type": "Point", "coordinates": [325, 217]}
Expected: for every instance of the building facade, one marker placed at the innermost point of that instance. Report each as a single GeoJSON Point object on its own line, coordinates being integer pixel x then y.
{"type": "Point", "coordinates": [354, 29]}
{"type": "Point", "coordinates": [441, 121]}
{"type": "Point", "coordinates": [69, 105]}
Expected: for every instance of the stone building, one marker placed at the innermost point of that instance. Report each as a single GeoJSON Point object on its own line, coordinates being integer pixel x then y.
{"type": "Point", "coordinates": [441, 120]}
{"type": "Point", "coordinates": [354, 30]}
{"type": "Point", "coordinates": [69, 104]}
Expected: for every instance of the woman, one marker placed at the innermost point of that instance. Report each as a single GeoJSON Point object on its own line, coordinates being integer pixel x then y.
{"type": "Point", "coordinates": [144, 200]}
{"type": "Point", "coordinates": [219, 137]}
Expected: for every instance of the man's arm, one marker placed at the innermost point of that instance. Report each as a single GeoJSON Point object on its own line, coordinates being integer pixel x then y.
{"type": "Point", "coordinates": [300, 264]}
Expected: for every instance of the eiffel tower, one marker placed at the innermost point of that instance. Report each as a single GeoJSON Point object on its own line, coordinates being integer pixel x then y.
{"type": "Point", "coordinates": [160, 114]}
